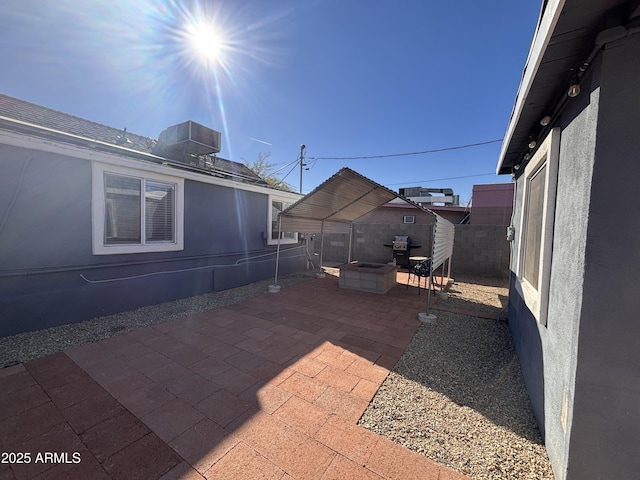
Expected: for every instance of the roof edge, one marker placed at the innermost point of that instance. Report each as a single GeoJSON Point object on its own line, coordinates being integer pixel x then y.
{"type": "Point", "coordinates": [79, 141]}
{"type": "Point", "coordinates": [549, 17]}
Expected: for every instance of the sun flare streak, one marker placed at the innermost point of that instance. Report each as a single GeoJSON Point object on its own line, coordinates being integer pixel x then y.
{"type": "Point", "coordinates": [223, 115]}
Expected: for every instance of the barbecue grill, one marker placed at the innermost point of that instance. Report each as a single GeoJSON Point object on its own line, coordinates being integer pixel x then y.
{"type": "Point", "coordinates": [402, 246]}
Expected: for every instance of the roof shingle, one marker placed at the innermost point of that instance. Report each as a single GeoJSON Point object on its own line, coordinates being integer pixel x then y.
{"type": "Point", "coordinates": [23, 111]}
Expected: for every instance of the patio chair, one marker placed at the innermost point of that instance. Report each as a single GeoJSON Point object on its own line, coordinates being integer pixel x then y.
{"type": "Point", "coordinates": [420, 269]}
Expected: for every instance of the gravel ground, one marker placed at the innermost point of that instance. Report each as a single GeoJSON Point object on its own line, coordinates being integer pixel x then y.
{"type": "Point", "coordinates": [28, 346]}
{"type": "Point", "coordinates": [457, 395]}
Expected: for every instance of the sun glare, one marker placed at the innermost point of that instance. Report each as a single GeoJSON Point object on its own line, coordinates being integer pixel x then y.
{"type": "Point", "coordinates": [207, 41]}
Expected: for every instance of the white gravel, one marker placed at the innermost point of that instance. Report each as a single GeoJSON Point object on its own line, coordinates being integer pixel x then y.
{"type": "Point", "coordinates": [457, 394]}
{"type": "Point", "coordinates": [30, 345]}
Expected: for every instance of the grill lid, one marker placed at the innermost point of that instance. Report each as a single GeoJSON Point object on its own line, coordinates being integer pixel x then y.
{"type": "Point", "coordinates": [401, 242]}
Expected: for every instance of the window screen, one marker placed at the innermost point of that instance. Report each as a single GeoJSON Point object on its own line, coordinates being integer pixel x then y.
{"type": "Point", "coordinates": [123, 207]}
{"type": "Point", "coordinates": [159, 205]}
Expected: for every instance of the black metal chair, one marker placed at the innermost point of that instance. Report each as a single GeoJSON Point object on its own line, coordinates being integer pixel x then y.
{"type": "Point", "coordinates": [420, 269]}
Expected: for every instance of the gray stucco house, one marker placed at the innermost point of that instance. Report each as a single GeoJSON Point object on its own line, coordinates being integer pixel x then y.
{"type": "Point", "coordinates": [572, 148]}
{"type": "Point", "coordinates": [96, 220]}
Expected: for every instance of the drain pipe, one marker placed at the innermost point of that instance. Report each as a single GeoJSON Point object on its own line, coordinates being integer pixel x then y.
{"type": "Point", "coordinates": [275, 288]}
{"type": "Point", "coordinates": [350, 242]}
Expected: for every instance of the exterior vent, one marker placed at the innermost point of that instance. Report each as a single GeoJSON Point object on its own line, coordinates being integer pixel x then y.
{"type": "Point", "coordinates": [189, 138]}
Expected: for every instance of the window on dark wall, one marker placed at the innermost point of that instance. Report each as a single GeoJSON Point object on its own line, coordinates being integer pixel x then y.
{"type": "Point", "coordinates": [124, 211]}
{"type": "Point", "coordinates": [533, 226]}
{"type": "Point", "coordinates": [409, 219]}
{"type": "Point", "coordinates": [136, 211]}
{"type": "Point", "coordinates": [537, 225]}
{"type": "Point", "coordinates": [277, 207]}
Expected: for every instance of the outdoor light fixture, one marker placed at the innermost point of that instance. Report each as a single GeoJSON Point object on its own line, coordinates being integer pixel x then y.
{"type": "Point", "coordinates": [574, 88]}
{"type": "Point", "coordinates": [545, 120]}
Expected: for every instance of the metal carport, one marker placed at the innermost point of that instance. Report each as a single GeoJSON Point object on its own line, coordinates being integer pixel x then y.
{"type": "Point", "coordinates": [334, 205]}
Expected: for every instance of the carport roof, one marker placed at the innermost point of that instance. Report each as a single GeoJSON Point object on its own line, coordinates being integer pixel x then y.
{"type": "Point", "coordinates": [341, 199]}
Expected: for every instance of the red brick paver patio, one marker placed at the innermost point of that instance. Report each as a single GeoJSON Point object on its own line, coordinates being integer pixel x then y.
{"type": "Point", "coordinates": [268, 388]}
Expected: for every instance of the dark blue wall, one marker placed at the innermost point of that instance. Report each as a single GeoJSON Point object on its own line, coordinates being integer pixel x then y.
{"type": "Point", "coordinates": [526, 339]}
{"type": "Point", "coordinates": [45, 210]}
{"type": "Point", "coordinates": [605, 438]}
{"type": "Point", "coordinates": [49, 276]}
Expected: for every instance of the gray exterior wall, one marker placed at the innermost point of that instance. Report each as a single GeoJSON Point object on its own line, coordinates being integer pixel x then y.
{"type": "Point", "coordinates": [46, 246]}
{"type": "Point", "coordinates": [582, 370]}
{"type": "Point", "coordinates": [548, 354]}
{"type": "Point", "coordinates": [606, 414]}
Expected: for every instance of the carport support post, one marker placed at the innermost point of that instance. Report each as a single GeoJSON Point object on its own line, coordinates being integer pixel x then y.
{"type": "Point", "coordinates": [321, 243]}
{"type": "Point", "coordinates": [428, 317]}
{"type": "Point", "coordinates": [275, 288]}
{"type": "Point", "coordinates": [350, 242]}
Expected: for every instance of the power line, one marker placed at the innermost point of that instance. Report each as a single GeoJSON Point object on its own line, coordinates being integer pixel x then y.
{"type": "Point", "coordinates": [292, 169]}
{"type": "Point", "coordinates": [288, 164]}
{"type": "Point", "coordinates": [459, 147]}
{"type": "Point", "coordinates": [441, 179]}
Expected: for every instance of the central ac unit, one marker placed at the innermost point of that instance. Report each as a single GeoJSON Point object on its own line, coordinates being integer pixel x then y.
{"type": "Point", "coordinates": [190, 138]}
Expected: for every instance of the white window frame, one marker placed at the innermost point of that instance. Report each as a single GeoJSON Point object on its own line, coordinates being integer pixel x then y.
{"type": "Point", "coordinates": [270, 220]}
{"type": "Point", "coordinates": [408, 219]}
{"type": "Point", "coordinates": [98, 211]}
{"type": "Point", "coordinates": [537, 299]}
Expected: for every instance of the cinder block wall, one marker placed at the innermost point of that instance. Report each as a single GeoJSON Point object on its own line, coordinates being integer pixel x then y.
{"type": "Point", "coordinates": [335, 249]}
{"type": "Point", "coordinates": [477, 250]}
{"type": "Point", "coordinates": [481, 250]}
{"type": "Point", "coordinates": [369, 239]}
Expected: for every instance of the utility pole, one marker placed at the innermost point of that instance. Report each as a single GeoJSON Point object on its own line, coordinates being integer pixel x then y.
{"type": "Point", "coordinates": [302, 164]}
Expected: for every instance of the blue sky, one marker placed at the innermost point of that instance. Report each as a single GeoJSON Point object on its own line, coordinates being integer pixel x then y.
{"type": "Point", "coordinates": [346, 78]}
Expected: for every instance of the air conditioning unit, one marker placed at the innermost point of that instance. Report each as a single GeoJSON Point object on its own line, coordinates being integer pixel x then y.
{"type": "Point", "coordinates": [190, 138]}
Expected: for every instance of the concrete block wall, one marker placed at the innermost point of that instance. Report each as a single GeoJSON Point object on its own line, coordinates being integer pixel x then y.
{"type": "Point", "coordinates": [477, 249]}
{"type": "Point", "coordinates": [369, 239]}
{"type": "Point", "coordinates": [335, 249]}
{"type": "Point", "coordinates": [481, 250]}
